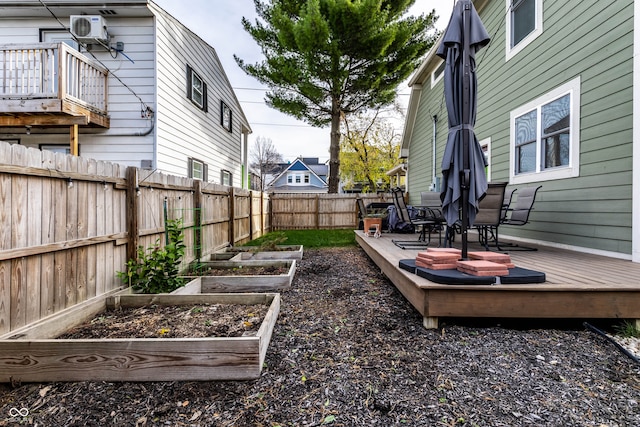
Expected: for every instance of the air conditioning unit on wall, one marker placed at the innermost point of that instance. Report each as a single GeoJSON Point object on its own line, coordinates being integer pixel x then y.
{"type": "Point", "coordinates": [89, 28]}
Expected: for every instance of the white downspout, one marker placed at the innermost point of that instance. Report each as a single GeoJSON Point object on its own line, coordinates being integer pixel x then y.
{"type": "Point", "coordinates": [433, 150]}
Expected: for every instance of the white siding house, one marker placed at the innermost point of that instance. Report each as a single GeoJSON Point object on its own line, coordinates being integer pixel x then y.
{"type": "Point", "coordinates": [168, 104]}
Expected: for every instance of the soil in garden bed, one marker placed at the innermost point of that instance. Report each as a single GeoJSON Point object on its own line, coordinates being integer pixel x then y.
{"type": "Point", "coordinates": [270, 270]}
{"type": "Point", "coordinates": [188, 321]}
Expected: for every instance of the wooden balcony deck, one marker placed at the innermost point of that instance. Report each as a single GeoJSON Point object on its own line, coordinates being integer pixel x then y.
{"type": "Point", "coordinates": [51, 84]}
{"type": "Point", "coordinates": [577, 285]}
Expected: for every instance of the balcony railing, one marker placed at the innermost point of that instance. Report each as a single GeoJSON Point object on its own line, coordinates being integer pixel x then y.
{"type": "Point", "coordinates": [52, 71]}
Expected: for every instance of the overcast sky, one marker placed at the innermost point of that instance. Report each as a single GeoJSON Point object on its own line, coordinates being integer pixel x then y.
{"type": "Point", "coordinates": [218, 23]}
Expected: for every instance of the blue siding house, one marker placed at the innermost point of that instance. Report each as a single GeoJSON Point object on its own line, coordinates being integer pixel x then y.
{"type": "Point", "coordinates": [304, 175]}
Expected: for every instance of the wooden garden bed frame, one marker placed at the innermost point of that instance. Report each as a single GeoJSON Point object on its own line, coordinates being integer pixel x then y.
{"type": "Point", "coordinates": [32, 354]}
{"type": "Point", "coordinates": [243, 283]}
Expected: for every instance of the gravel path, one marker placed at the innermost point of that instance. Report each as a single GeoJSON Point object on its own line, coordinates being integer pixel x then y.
{"type": "Point", "coordinates": [348, 350]}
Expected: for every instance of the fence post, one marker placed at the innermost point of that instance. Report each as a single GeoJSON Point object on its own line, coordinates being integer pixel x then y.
{"type": "Point", "coordinates": [317, 212]}
{"type": "Point", "coordinates": [250, 214]}
{"type": "Point", "coordinates": [232, 217]}
{"type": "Point", "coordinates": [197, 217]}
{"type": "Point", "coordinates": [262, 221]}
{"type": "Point", "coordinates": [133, 206]}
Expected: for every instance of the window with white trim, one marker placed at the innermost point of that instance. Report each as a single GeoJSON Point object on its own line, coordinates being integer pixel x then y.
{"type": "Point", "coordinates": [545, 136]}
{"type": "Point", "coordinates": [226, 178]}
{"type": "Point", "coordinates": [485, 144]}
{"type": "Point", "coordinates": [196, 89]}
{"type": "Point", "coordinates": [524, 24]}
{"type": "Point", "coordinates": [196, 169]}
{"type": "Point", "coordinates": [298, 178]}
{"type": "Point", "coordinates": [437, 74]}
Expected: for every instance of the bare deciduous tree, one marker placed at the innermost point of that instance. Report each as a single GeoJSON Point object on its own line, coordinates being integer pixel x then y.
{"type": "Point", "coordinates": [264, 159]}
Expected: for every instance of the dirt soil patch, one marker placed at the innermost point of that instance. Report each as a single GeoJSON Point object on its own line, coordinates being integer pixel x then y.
{"type": "Point", "coordinates": [349, 350]}
{"type": "Point", "coordinates": [155, 321]}
{"type": "Point", "coordinates": [269, 270]}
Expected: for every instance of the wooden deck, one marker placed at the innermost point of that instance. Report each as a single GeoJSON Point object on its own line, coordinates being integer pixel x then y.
{"type": "Point", "coordinates": [577, 285]}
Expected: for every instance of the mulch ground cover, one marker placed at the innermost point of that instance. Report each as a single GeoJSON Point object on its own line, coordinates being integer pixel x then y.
{"type": "Point", "coordinates": [349, 350]}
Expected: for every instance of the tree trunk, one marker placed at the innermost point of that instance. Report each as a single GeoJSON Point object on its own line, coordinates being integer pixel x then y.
{"type": "Point", "coordinates": [334, 152]}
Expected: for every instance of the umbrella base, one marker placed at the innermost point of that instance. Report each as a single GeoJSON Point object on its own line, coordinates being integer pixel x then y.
{"type": "Point", "coordinates": [517, 276]}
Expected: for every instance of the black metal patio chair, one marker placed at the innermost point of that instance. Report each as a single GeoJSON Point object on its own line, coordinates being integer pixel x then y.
{"type": "Point", "coordinates": [517, 216]}
{"type": "Point", "coordinates": [425, 223]}
{"type": "Point", "coordinates": [489, 214]}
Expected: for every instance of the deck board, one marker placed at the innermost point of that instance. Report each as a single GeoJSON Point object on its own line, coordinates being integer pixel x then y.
{"type": "Point", "coordinates": [578, 285]}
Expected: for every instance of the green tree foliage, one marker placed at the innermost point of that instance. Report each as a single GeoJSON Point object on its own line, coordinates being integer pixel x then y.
{"type": "Point", "coordinates": [325, 59]}
{"type": "Point", "coordinates": [368, 149]}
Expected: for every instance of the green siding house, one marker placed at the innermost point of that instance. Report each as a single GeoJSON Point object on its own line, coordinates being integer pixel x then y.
{"type": "Point", "coordinates": [556, 107]}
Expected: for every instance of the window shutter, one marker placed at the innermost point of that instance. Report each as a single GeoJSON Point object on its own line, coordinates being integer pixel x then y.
{"type": "Point", "coordinates": [190, 167]}
{"type": "Point", "coordinates": [205, 172]}
{"type": "Point", "coordinates": [205, 103]}
{"type": "Point", "coordinates": [189, 74]}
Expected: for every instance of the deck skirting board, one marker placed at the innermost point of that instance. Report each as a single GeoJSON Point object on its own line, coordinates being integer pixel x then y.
{"type": "Point", "coordinates": [574, 287]}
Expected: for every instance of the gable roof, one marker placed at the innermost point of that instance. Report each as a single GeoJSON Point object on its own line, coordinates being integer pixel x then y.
{"type": "Point", "coordinates": [300, 165]}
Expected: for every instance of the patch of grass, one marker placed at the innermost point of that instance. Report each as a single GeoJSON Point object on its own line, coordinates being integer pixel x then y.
{"type": "Point", "coordinates": [627, 330]}
{"type": "Point", "coordinates": [310, 238]}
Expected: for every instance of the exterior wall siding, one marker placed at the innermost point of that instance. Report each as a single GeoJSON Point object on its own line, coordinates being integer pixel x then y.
{"type": "Point", "coordinates": [181, 123]}
{"type": "Point", "coordinates": [588, 39]}
{"type": "Point", "coordinates": [121, 143]}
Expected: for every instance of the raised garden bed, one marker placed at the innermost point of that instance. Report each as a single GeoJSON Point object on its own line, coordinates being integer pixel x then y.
{"type": "Point", "coordinates": [240, 276]}
{"type": "Point", "coordinates": [243, 253]}
{"type": "Point", "coordinates": [33, 354]}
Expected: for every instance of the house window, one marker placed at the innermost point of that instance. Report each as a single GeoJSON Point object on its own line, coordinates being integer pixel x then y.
{"type": "Point", "coordinates": [196, 89]}
{"type": "Point", "coordinates": [438, 73]}
{"type": "Point", "coordinates": [58, 148]}
{"type": "Point", "coordinates": [290, 179]}
{"type": "Point", "coordinates": [306, 178]}
{"type": "Point", "coordinates": [545, 136]}
{"type": "Point", "coordinates": [524, 24]}
{"type": "Point", "coordinates": [226, 178]}
{"type": "Point", "coordinates": [226, 116]}
{"type": "Point", "coordinates": [197, 169]}
{"type": "Point", "coordinates": [298, 179]}
{"type": "Point", "coordinates": [485, 144]}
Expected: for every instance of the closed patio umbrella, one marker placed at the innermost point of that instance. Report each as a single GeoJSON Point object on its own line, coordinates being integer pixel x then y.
{"type": "Point", "coordinates": [463, 165]}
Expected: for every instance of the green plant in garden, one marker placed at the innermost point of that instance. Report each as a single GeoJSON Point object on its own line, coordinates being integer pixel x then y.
{"type": "Point", "coordinates": [627, 329]}
{"type": "Point", "coordinates": [156, 269]}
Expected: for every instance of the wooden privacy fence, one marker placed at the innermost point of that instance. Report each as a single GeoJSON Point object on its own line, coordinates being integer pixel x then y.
{"type": "Point", "coordinates": [69, 224]}
{"type": "Point", "coordinates": [297, 211]}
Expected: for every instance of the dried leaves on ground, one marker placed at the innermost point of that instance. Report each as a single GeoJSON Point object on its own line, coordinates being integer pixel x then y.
{"type": "Point", "coordinates": [349, 350]}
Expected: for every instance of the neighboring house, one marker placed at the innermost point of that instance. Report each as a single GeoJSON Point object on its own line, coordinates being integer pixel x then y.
{"type": "Point", "coordinates": [136, 87]}
{"type": "Point", "coordinates": [558, 106]}
{"type": "Point", "coordinates": [303, 175]}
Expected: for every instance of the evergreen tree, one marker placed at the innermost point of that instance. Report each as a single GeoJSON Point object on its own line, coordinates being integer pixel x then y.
{"type": "Point", "coordinates": [325, 59]}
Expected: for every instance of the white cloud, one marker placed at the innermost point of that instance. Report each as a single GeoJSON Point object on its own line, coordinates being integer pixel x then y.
{"type": "Point", "coordinates": [219, 24]}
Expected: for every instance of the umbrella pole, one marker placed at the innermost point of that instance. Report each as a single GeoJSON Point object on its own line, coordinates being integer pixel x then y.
{"type": "Point", "coordinates": [465, 179]}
